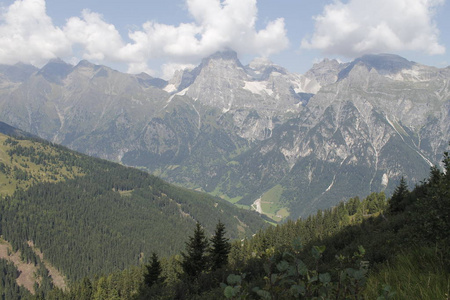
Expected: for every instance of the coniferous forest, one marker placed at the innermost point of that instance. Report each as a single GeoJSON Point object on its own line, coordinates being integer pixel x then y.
{"type": "Point", "coordinates": [98, 228]}
{"type": "Point", "coordinates": [89, 216]}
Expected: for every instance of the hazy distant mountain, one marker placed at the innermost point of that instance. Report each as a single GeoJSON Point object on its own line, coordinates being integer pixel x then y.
{"type": "Point", "coordinates": [242, 132]}
{"type": "Point", "coordinates": [17, 73]}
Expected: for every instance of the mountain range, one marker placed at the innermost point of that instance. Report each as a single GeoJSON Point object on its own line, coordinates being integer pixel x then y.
{"type": "Point", "coordinates": [257, 135]}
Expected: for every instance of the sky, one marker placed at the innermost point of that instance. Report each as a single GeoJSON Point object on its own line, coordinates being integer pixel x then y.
{"type": "Point", "coordinates": [160, 37]}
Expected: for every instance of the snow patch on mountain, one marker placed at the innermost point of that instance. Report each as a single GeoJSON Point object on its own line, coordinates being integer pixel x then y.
{"type": "Point", "coordinates": [170, 88]}
{"type": "Point", "coordinates": [258, 87]}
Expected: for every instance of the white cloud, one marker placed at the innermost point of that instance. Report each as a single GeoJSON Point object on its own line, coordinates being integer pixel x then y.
{"type": "Point", "coordinates": [364, 26]}
{"type": "Point", "coordinates": [27, 34]}
{"type": "Point", "coordinates": [99, 39]}
{"type": "Point", "coordinates": [140, 67]}
{"type": "Point", "coordinates": [217, 25]}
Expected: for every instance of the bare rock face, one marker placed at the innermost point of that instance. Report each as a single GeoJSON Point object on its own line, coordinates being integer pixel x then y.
{"type": "Point", "coordinates": [340, 130]}
{"type": "Point", "coordinates": [222, 82]}
{"type": "Point", "coordinates": [326, 72]}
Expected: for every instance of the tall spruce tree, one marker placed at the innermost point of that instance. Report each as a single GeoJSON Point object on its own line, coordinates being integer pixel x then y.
{"type": "Point", "coordinates": [194, 260]}
{"type": "Point", "coordinates": [220, 248]}
{"type": "Point", "coordinates": [154, 270]}
{"type": "Point", "coordinates": [399, 199]}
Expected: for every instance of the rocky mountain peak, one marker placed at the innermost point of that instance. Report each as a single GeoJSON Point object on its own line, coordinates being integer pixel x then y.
{"type": "Point", "coordinates": [85, 70]}
{"type": "Point", "coordinates": [215, 63]}
{"type": "Point", "coordinates": [384, 64]}
{"type": "Point", "coordinates": [261, 68]}
{"type": "Point", "coordinates": [220, 60]}
{"type": "Point", "coordinates": [226, 55]}
{"type": "Point", "coordinates": [216, 80]}
{"type": "Point", "coordinates": [182, 79]}
{"type": "Point", "coordinates": [147, 81]}
{"type": "Point", "coordinates": [55, 70]}
{"type": "Point", "coordinates": [18, 72]}
{"type": "Point", "coordinates": [84, 64]}
{"type": "Point", "coordinates": [390, 63]}
{"type": "Point", "coordinates": [325, 72]}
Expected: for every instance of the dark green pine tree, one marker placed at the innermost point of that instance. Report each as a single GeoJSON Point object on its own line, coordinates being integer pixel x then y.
{"type": "Point", "coordinates": [154, 270]}
{"type": "Point", "coordinates": [399, 199]}
{"type": "Point", "coordinates": [434, 206]}
{"type": "Point", "coordinates": [435, 176]}
{"type": "Point", "coordinates": [220, 248]}
{"type": "Point", "coordinates": [194, 260]}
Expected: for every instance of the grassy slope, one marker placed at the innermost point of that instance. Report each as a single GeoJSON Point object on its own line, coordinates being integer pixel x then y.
{"type": "Point", "coordinates": [271, 206]}
{"type": "Point", "coordinates": [417, 273]}
{"type": "Point", "coordinates": [51, 172]}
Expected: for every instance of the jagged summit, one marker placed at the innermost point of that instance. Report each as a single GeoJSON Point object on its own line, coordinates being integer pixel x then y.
{"type": "Point", "coordinates": [261, 68]}
{"type": "Point", "coordinates": [325, 72]}
{"type": "Point", "coordinates": [220, 60]}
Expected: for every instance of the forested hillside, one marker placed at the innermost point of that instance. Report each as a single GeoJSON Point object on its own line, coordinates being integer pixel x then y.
{"type": "Point", "coordinates": [89, 216]}
{"type": "Point", "coordinates": [375, 248]}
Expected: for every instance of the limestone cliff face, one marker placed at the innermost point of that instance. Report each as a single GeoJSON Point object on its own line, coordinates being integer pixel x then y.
{"type": "Point", "coordinates": [254, 95]}
{"type": "Point", "coordinates": [360, 134]}
{"type": "Point", "coordinates": [340, 130]}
